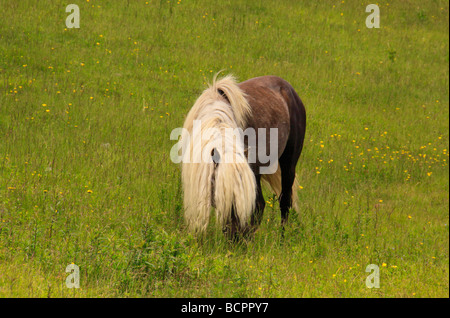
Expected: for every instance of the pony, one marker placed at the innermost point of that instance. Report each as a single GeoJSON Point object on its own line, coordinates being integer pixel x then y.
{"type": "Point", "coordinates": [224, 171]}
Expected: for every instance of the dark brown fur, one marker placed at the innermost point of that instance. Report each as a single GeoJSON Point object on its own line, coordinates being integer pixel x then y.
{"type": "Point", "coordinates": [275, 104]}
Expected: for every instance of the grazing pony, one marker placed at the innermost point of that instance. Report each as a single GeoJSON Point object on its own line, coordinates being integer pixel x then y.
{"type": "Point", "coordinates": [224, 171]}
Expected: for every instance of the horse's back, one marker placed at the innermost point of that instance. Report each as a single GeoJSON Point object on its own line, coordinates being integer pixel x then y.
{"type": "Point", "coordinates": [275, 104]}
{"type": "Point", "coordinates": [268, 81]}
{"type": "Point", "coordinates": [273, 95]}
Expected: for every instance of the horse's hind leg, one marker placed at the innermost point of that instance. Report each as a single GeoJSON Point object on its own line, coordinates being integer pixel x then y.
{"type": "Point", "coordinates": [288, 161]}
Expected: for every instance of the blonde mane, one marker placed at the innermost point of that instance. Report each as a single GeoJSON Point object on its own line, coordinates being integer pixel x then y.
{"type": "Point", "coordinates": [234, 182]}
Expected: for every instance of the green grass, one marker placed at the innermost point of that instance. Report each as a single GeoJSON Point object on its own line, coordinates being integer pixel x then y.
{"type": "Point", "coordinates": [86, 177]}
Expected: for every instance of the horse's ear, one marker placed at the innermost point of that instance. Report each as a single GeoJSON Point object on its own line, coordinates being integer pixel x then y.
{"type": "Point", "coordinates": [221, 92]}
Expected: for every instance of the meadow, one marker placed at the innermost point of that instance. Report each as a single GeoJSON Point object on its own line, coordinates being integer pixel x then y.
{"type": "Point", "coordinates": [85, 173]}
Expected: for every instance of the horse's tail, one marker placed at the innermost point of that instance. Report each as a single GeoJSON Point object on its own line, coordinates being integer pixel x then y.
{"type": "Point", "coordinates": [228, 183]}
{"type": "Point", "coordinates": [274, 180]}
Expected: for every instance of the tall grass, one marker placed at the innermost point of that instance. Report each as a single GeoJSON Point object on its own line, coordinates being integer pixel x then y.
{"type": "Point", "coordinates": [85, 173]}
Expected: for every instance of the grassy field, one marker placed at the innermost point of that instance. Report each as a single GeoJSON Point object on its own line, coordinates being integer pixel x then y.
{"type": "Point", "coordinates": [85, 173]}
